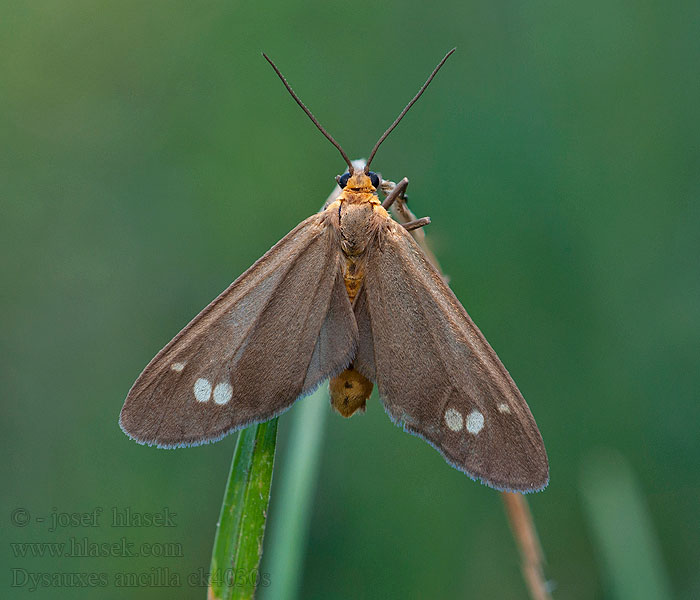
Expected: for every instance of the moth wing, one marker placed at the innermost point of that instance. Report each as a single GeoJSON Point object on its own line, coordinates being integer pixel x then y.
{"type": "Point", "coordinates": [437, 375]}
{"type": "Point", "coordinates": [272, 336]}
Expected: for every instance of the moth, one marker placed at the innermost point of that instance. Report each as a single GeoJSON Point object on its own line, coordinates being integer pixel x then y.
{"type": "Point", "coordinates": [347, 295]}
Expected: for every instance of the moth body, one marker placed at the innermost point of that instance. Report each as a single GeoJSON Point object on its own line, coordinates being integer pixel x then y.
{"type": "Point", "coordinates": [359, 209]}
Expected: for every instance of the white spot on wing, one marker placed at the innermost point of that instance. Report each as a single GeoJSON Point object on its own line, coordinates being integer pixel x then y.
{"type": "Point", "coordinates": [453, 418]}
{"type": "Point", "coordinates": [504, 408]}
{"type": "Point", "coordinates": [223, 392]}
{"type": "Point", "coordinates": [202, 390]}
{"type": "Point", "coordinates": [475, 422]}
{"type": "Point", "coordinates": [177, 366]}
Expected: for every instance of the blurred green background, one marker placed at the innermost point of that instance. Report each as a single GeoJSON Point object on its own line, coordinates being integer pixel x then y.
{"type": "Point", "coordinates": [149, 155]}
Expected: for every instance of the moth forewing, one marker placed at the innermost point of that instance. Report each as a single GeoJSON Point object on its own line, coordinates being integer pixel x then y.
{"type": "Point", "coordinates": [461, 398]}
{"type": "Point", "coordinates": [278, 331]}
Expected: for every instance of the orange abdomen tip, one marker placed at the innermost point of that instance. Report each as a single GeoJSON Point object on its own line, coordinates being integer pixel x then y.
{"type": "Point", "coordinates": [349, 392]}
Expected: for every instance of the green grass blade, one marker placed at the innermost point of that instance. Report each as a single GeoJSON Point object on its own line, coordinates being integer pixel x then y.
{"type": "Point", "coordinates": [284, 559]}
{"type": "Point", "coordinates": [239, 535]}
{"type": "Point", "coordinates": [622, 530]}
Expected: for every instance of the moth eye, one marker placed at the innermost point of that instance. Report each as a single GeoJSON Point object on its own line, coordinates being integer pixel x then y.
{"type": "Point", "coordinates": [374, 178]}
{"type": "Point", "coordinates": [343, 179]}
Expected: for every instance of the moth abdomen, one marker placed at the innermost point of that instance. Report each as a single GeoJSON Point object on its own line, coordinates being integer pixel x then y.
{"type": "Point", "coordinates": [353, 276]}
{"type": "Point", "coordinates": [350, 391]}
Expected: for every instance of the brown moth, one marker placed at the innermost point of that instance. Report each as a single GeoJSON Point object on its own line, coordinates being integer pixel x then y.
{"type": "Point", "coordinates": [347, 295]}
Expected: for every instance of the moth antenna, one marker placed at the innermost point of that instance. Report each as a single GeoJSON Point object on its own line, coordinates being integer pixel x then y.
{"type": "Point", "coordinates": [405, 110]}
{"type": "Point", "coordinates": [308, 112]}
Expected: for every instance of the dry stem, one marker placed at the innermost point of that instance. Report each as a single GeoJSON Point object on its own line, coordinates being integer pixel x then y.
{"type": "Point", "coordinates": [518, 512]}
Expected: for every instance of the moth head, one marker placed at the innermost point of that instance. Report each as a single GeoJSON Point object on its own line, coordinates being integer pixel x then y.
{"type": "Point", "coordinates": [359, 181]}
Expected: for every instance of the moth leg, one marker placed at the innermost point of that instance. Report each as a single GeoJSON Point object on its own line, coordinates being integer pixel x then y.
{"type": "Point", "coordinates": [417, 223]}
{"type": "Point", "coordinates": [399, 207]}
{"type": "Point", "coordinates": [405, 217]}
{"type": "Point", "coordinates": [397, 192]}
